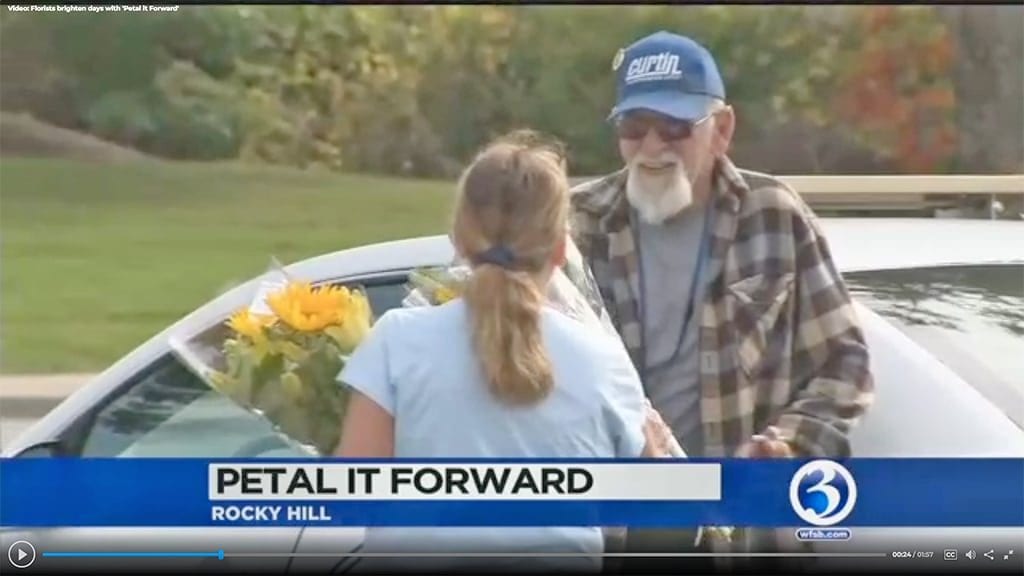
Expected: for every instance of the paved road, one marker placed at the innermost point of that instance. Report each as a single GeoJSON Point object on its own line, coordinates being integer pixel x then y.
{"type": "Point", "coordinates": [25, 398]}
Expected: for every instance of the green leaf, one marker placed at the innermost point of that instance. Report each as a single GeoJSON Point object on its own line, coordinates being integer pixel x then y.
{"type": "Point", "coordinates": [265, 372]}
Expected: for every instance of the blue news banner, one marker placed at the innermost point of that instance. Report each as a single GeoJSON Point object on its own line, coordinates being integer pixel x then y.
{"type": "Point", "coordinates": [849, 493]}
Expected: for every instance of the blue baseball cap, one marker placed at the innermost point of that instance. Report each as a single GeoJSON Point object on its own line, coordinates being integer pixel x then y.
{"type": "Point", "coordinates": [669, 74]}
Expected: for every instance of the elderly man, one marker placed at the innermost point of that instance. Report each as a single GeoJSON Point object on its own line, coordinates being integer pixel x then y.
{"type": "Point", "coordinates": [718, 280]}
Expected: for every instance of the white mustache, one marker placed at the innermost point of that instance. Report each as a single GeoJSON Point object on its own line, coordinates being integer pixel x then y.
{"type": "Point", "coordinates": [658, 196]}
{"type": "Point", "coordinates": [666, 158]}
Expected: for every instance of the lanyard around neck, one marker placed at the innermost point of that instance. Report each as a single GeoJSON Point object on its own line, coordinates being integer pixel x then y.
{"type": "Point", "coordinates": [703, 250]}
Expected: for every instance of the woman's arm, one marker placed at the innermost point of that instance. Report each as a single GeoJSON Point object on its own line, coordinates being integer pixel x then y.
{"type": "Point", "coordinates": [368, 430]}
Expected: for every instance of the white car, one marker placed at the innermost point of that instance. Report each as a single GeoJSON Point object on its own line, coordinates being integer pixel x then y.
{"type": "Point", "coordinates": [942, 304]}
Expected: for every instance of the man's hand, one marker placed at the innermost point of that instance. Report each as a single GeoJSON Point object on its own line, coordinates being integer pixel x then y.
{"type": "Point", "coordinates": [767, 445]}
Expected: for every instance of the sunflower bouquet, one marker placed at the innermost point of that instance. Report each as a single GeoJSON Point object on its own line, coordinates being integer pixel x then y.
{"type": "Point", "coordinates": [283, 353]}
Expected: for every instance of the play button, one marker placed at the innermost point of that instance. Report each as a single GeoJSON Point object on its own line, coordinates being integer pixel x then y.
{"type": "Point", "coordinates": [21, 554]}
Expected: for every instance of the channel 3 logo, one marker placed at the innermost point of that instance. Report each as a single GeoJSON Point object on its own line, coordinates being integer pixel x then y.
{"type": "Point", "coordinates": [822, 493]}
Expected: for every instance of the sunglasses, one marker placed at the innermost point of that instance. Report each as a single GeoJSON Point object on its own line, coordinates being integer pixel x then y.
{"type": "Point", "coordinates": [636, 127]}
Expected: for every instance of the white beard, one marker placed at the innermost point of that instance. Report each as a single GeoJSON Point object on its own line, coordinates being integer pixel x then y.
{"type": "Point", "coordinates": [658, 197]}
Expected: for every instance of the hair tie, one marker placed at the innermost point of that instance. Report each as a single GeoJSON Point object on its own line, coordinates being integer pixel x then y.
{"type": "Point", "coordinates": [499, 255]}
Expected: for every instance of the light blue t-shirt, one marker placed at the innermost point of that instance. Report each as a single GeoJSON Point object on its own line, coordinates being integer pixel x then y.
{"type": "Point", "coordinates": [419, 365]}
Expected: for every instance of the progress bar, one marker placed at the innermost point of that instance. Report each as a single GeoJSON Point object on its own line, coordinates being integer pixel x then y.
{"type": "Point", "coordinates": [220, 555]}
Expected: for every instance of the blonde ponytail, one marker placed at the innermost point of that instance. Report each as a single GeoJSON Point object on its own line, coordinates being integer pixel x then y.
{"type": "Point", "coordinates": [505, 314]}
{"type": "Point", "coordinates": [510, 219]}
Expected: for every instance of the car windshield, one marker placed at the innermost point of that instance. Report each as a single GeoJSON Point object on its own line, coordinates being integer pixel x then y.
{"type": "Point", "coordinates": [971, 318]}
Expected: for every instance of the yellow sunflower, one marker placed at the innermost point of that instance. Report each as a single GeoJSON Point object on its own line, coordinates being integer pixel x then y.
{"type": "Point", "coordinates": [250, 325]}
{"type": "Point", "coordinates": [310, 309]}
{"type": "Point", "coordinates": [354, 324]}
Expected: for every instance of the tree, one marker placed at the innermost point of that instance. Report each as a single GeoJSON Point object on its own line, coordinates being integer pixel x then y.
{"type": "Point", "coordinates": [895, 90]}
{"type": "Point", "coordinates": [989, 83]}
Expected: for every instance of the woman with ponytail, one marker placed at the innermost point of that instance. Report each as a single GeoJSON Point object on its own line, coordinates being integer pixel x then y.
{"type": "Point", "coordinates": [497, 373]}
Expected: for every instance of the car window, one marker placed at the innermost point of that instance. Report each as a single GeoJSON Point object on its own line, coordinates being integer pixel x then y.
{"type": "Point", "coordinates": [167, 411]}
{"type": "Point", "coordinates": [385, 293]}
{"type": "Point", "coordinates": [970, 318]}
{"type": "Point", "coordinates": [170, 412]}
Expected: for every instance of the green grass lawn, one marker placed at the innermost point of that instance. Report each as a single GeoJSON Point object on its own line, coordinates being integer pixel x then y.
{"type": "Point", "coordinates": [97, 258]}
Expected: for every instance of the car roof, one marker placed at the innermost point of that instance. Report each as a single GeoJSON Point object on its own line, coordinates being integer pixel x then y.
{"type": "Point", "coordinates": [887, 243]}
{"type": "Point", "coordinates": [856, 244]}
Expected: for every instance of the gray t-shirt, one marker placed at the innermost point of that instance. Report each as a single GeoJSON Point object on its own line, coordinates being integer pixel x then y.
{"type": "Point", "coordinates": [668, 255]}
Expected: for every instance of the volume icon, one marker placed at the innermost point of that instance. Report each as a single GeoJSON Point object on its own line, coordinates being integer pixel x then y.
{"type": "Point", "coordinates": [971, 554]}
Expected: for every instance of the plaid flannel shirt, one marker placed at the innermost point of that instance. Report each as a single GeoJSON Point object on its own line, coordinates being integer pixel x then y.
{"type": "Point", "coordinates": [779, 341]}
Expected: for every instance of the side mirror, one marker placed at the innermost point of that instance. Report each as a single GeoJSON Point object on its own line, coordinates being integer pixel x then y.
{"type": "Point", "coordinates": [47, 449]}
